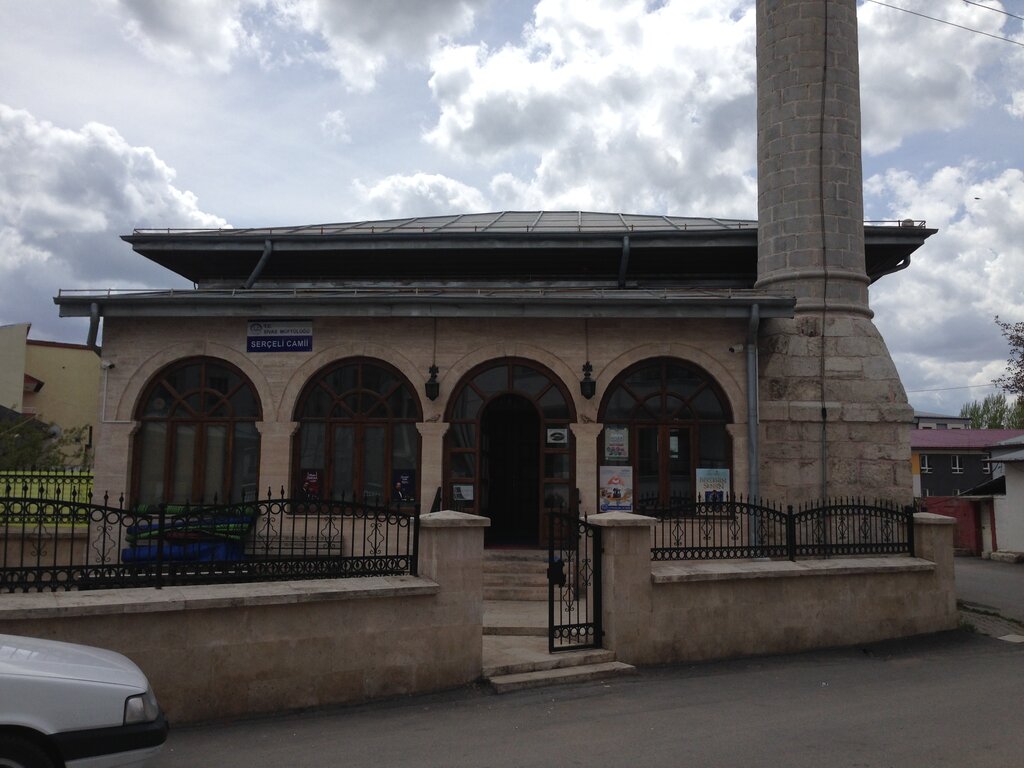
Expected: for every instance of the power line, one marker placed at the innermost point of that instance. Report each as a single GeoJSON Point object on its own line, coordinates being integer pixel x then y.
{"type": "Point", "coordinates": [950, 23]}
{"type": "Point", "coordinates": [949, 389]}
{"type": "Point", "coordinates": [995, 10]}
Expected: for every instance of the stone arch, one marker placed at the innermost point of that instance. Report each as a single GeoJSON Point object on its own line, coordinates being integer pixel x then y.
{"type": "Point", "coordinates": [141, 377]}
{"type": "Point", "coordinates": [733, 389]}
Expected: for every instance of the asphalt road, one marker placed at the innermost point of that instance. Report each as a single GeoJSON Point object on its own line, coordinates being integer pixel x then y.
{"type": "Point", "coordinates": [952, 699]}
{"type": "Point", "coordinates": [992, 585]}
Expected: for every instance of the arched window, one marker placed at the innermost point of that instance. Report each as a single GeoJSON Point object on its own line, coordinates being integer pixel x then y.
{"type": "Point", "coordinates": [357, 434]}
{"type": "Point", "coordinates": [198, 440]}
{"type": "Point", "coordinates": [665, 419]}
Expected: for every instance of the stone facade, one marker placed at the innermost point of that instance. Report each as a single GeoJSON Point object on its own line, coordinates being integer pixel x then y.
{"type": "Point", "coordinates": [142, 347]}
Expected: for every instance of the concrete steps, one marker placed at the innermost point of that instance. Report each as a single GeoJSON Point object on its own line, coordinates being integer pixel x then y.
{"type": "Point", "coordinates": [560, 676]}
{"type": "Point", "coordinates": [515, 649]}
{"type": "Point", "coordinates": [515, 574]}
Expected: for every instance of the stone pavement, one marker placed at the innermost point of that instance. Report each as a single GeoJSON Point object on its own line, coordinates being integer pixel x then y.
{"type": "Point", "coordinates": [983, 621]}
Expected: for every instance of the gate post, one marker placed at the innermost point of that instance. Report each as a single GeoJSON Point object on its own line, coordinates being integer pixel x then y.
{"type": "Point", "coordinates": [626, 587]}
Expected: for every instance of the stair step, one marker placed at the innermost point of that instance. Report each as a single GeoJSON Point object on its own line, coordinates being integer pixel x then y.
{"type": "Point", "coordinates": [538, 580]}
{"type": "Point", "coordinates": [531, 594]}
{"type": "Point", "coordinates": [560, 660]}
{"type": "Point", "coordinates": [559, 676]}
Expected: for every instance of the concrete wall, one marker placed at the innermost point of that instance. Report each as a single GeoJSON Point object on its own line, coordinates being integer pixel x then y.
{"type": "Point", "coordinates": [231, 650]}
{"type": "Point", "coordinates": [12, 372]}
{"type": "Point", "coordinates": [71, 376]}
{"type": "Point", "coordinates": [687, 611]}
{"type": "Point", "coordinates": [1009, 510]}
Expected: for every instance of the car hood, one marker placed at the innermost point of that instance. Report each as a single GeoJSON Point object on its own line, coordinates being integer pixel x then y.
{"type": "Point", "coordinates": [29, 656]}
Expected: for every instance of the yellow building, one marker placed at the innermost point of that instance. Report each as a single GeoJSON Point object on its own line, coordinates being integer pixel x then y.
{"type": "Point", "coordinates": [55, 382]}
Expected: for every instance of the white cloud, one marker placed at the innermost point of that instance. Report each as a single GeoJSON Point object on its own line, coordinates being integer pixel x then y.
{"type": "Point", "coordinates": [919, 75]}
{"type": "Point", "coordinates": [186, 35]}
{"type": "Point", "coordinates": [419, 194]}
{"type": "Point", "coordinates": [610, 104]}
{"type": "Point", "coordinates": [1016, 105]}
{"type": "Point", "coordinates": [65, 197]}
{"type": "Point", "coordinates": [335, 127]}
{"type": "Point", "coordinates": [346, 36]}
{"type": "Point", "coordinates": [937, 316]}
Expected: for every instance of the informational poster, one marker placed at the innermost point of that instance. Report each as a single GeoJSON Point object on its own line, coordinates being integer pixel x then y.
{"type": "Point", "coordinates": [616, 443]}
{"type": "Point", "coordinates": [279, 336]}
{"type": "Point", "coordinates": [616, 489]}
{"type": "Point", "coordinates": [712, 484]}
{"type": "Point", "coordinates": [403, 485]}
{"type": "Point", "coordinates": [462, 492]}
{"type": "Point", "coordinates": [311, 483]}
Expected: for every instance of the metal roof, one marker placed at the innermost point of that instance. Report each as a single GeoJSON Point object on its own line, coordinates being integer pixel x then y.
{"type": "Point", "coordinates": [510, 246]}
{"type": "Point", "coordinates": [960, 439]}
{"type": "Point", "coordinates": [552, 222]}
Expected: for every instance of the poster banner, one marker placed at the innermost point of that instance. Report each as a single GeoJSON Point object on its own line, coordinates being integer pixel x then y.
{"type": "Point", "coordinates": [616, 443]}
{"type": "Point", "coordinates": [712, 484]}
{"type": "Point", "coordinates": [403, 485]}
{"type": "Point", "coordinates": [616, 489]}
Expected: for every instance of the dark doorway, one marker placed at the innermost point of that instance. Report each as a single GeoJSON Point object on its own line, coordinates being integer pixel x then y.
{"type": "Point", "coordinates": [510, 471]}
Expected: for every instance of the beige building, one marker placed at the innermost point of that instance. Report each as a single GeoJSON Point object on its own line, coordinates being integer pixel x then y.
{"type": "Point", "coordinates": [54, 382]}
{"type": "Point", "coordinates": [492, 362]}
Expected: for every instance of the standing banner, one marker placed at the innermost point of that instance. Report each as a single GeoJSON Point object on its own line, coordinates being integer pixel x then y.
{"type": "Point", "coordinates": [616, 489]}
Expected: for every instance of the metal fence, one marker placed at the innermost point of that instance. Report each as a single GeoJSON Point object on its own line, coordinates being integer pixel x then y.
{"type": "Point", "coordinates": [51, 545]}
{"type": "Point", "coordinates": [737, 528]}
{"type": "Point", "coordinates": [61, 484]}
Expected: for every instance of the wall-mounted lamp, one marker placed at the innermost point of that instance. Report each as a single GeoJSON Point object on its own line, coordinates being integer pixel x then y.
{"type": "Point", "coordinates": [432, 386]}
{"type": "Point", "coordinates": [588, 387]}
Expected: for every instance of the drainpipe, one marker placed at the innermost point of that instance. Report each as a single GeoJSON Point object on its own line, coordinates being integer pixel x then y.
{"type": "Point", "coordinates": [267, 248]}
{"type": "Point", "coordinates": [624, 261]}
{"type": "Point", "coordinates": [753, 417]}
{"type": "Point", "coordinates": [94, 327]}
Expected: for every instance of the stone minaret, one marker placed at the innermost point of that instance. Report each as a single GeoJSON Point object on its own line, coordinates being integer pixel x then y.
{"type": "Point", "coordinates": [834, 415]}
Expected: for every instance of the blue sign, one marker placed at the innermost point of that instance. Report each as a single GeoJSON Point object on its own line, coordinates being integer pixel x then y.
{"type": "Point", "coordinates": [279, 336]}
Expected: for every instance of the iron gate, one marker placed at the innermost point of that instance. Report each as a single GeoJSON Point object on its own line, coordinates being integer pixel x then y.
{"type": "Point", "coordinates": [574, 583]}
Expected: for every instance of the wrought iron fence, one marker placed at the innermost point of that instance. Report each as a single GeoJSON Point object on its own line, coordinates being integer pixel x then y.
{"type": "Point", "coordinates": [60, 484]}
{"type": "Point", "coordinates": [51, 545]}
{"type": "Point", "coordinates": [733, 528]}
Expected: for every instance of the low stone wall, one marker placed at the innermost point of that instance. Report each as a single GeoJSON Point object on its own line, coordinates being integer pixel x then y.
{"type": "Point", "coordinates": [229, 650]}
{"type": "Point", "coordinates": [656, 613]}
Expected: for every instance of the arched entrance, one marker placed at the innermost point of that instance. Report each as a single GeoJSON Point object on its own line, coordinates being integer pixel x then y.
{"type": "Point", "coordinates": [509, 452]}
{"type": "Point", "coordinates": [509, 459]}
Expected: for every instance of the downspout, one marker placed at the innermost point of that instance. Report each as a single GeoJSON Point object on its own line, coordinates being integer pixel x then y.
{"type": "Point", "coordinates": [267, 248]}
{"type": "Point", "coordinates": [94, 327]}
{"type": "Point", "coordinates": [624, 261]}
{"type": "Point", "coordinates": [753, 416]}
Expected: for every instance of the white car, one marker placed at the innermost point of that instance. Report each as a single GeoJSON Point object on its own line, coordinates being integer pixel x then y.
{"type": "Point", "coordinates": [74, 706]}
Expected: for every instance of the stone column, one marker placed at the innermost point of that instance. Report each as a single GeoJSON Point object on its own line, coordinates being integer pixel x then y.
{"type": "Point", "coordinates": [275, 457]}
{"type": "Point", "coordinates": [933, 540]}
{"type": "Point", "coordinates": [626, 588]}
{"type": "Point", "coordinates": [834, 414]}
{"type": "Point", "coordinates": [451, 553]}
{"type": "Point", "coordinates": [112, 461]}
{"type": "Point", "coordinates": [431, 460]}
{"type": "Point", "coordinates": [585, 436]}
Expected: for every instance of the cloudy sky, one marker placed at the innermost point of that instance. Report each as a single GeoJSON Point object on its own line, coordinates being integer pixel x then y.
{"type": "Point", "coordinates": [116, 114]}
